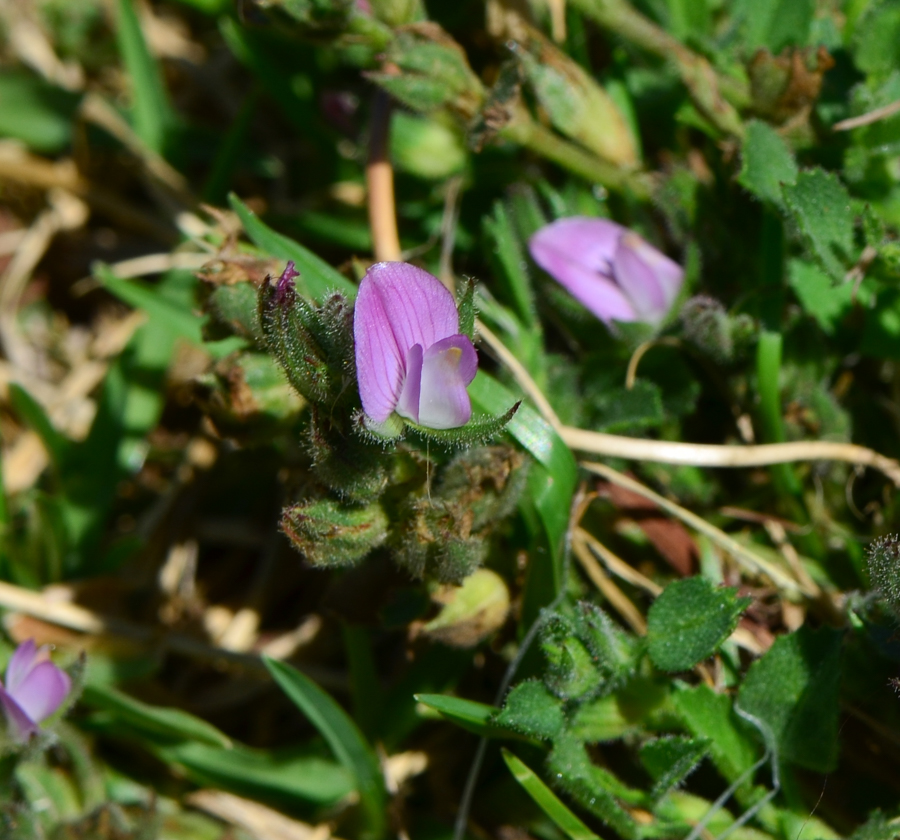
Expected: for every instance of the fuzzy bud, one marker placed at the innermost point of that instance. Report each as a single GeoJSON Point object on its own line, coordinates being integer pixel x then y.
{"type": "Point", "coordinates": [883, 558]}
{"type": "Point", "coordinates": [332, 534]}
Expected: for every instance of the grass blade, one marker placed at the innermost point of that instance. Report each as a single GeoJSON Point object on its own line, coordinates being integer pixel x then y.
{"type": "Point", "coordinates": [319, 278]}
{"type": "Point", "coordinates": [152, 112]}
{"type": "Point", "coordinates": [551, 485]}
{"type": "Point", "coordinates": [467, 714]}
{"type": "Point", "coordinates": [34, 416]}
{"type": "Point", "coordinates": [547, 800]}
{"type": "Point", "coordinates": [344, 738]}
{"type": "Point", "coordinates": [156, 720]}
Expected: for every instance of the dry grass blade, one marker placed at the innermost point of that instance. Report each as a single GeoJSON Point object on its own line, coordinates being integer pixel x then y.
{"type": "Point", "coordinates": [258, 820]}
{"type": "Point", "coordinates": [867, 119]}
{"type": "Point", "coordinates": [74, 617]}
{"type": "Point", "coordinates": [689, 454]}
{"type": "Point", "coordinates": [713, 455]}
{"type": "Point", "coordinates": [617, 599]}
{"type": "Point", "coordinates": [617, 566]}
{"type": "Point", "coordinates": [521, 375]}
{"type": "Point", "coordinates": [749, 560]}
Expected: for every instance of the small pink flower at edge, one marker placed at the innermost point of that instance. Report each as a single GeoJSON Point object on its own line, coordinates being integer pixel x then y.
{"type": "Point", "coordinates": [34, 689]}
{"type": "Point", "coordinates": [608, 268]}
{"type": "Point", "coordinates": [410, 356]}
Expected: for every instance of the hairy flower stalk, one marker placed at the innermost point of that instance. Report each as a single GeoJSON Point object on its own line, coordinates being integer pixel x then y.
{"type": "Point", "coordinates": [410, 356]}
{"type": "Point", "coordinates": [35, 688]}
{"type": "Point", "coordinates": [610, 269]}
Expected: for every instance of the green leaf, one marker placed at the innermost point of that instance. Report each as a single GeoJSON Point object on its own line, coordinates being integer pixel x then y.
{"type": "Point", "coordinates": [689, 621]}
{"type": "Point", "coordinates": [36, 112]}
{"type": "Point", "coordinates": [793, 688]}
{"type": "Point", "coordinates": [316, 276]}
{"type": "Point", "coordinates": [426, 148]}
{"type": "Point", "coordinates": [236, 306]}
{"type": "Point", "coordinates": [574, 102]}
{"type": "Point", "coordinates": [595, 788]}
{"type": "Point", "coordinates": [208, 7]}
{"type": "Point", "coordinates": [434, 72]}
{"type": "Point", "coordinates": [467, 714]}
{"type": "Point", "coordinates": [32, 413]}
{"type": "Point", "coordinates": [550, 486]}
{"type": "Point", "coordinates": [629, 409]}
{"type": "Point", "coordinates": [291, 777]}
{"type": "Point", "coordinates": [669, 760]}
{"type": "Point", "coordinates": [151, 109]}
{"type": "Point", "coordinates": [259, 50]}
{"type": "Point", "coordinates": [365, 688]}
{"type": "Point", "coordinates": [572, 672]}
{"type": "Point", "coordinates": [436, 669]}
{"type": "Point", "coordinates": [818, 296]}
{"type": "Point", "coordinates": [820, 205]}
{"type": "Point", "coordinates": [876, 41]}
{"type": "Point", "coordinates": [466, 306]}
{"type": "Point", "coordinates": [709, 716]}
{"type": "Point", "coordinates": [767, 163]}
{"type": "Point", "coordinates": [643, 699]}
{"type": "Point", "coordinates": [768, 383]}
{"type": "Point", "coordinates": [688, 18]}
{"type": "Point", "coordinates": [477, 430]}
{"type": "Point", "coordinates": [878, 827]}
{"type": "Point", "coordinates": [230, 151]}
{"type": "Point", "coordinates": [179, 319]}
{"type": "Point", "coordinates": [775, 24]}
{"type": "Point", "coordinates": [547, 800]}
{"type": "Point", "coordinates": [344, 738]}
{"type": "Point", "coordinates": [154, 720]}
{"type": "Point", "coordinates": [881, 330]}
{"type": "Point", "coordinates": [510, 265]}
{"type": "Point", "coordinates": [531, 709]}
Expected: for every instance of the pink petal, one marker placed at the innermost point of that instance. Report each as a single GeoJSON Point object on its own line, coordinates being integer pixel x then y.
{"type": "Point", "coordinates": [379, 361]}
{"type": "Point", "coordinates": [578, 253]}
{"type": "Point", "coordinates": [418, 305]}
{"type": "Point", "coordinates": [398, 306]}
{"type": "Point", "coordinates": [408, 404]}
{"type": "Point", "coordinates": [649, 278]}
{"type": "Point", "coordinates": [25, 657]}
{"type": "Point", "coordinates": [580, 241]}
{"type": "Point", "coordinates": [598, 293]}
{"type": "Point", "coordinates": [448, 367]}
{"type": "Point", "coordinates": [20, 725]}
{"type": "Point", "coordinates": [42, 692]}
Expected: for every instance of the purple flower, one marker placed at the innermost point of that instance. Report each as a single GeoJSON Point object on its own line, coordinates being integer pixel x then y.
{"type": "Point", "coordinates": [610, 269]}
{"type": "Point", "coordinates": [410, 356]}
{"type": "Point", "coordinates": [35, 688]}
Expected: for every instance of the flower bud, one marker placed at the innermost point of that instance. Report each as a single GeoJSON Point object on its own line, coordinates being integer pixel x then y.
{"type": "Point", "coordinates": [329, 534]}
{"type": "Point", "coordinates": [33, 690]}
{"type": "Point", "coordinates": [884, 567]}
{"type": "Point", "coordinates": [470, 612]}
{"type": "Point", "coordinates": [608, 268]}
{"type": "Point", "coordinates": [313, 344]}
{"type": "Point", "coordinates": [434, 72]}
{"type": "Point", "coordinates": [576, 104]}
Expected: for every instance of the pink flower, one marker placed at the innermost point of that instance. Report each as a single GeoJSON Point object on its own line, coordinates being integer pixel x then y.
{"type": "Point", "coordinates": [35, 688]}
{"type": "Point", "coordinates": [608, 268]}
{"type": "Point", "coordinates": [410, 356]}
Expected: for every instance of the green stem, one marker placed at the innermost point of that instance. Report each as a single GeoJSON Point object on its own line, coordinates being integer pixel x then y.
{"type": "Point", "coordinates": [771, 269]}
{"type": "Point", "coordinates": [768, 368]}
{"type": "Point", "coordinates": [717, 97]}
{"type": "Point", "coordinates": [364, 686]}
{"type": "Point", "coordinates": [532, 135]}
